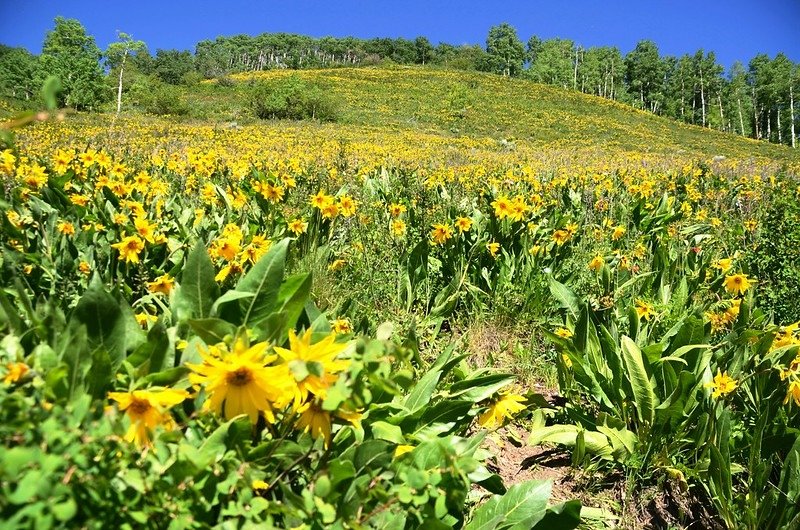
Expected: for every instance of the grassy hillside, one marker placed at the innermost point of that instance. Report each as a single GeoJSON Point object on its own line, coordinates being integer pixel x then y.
{"type": "Point", "coordinates": [485, 105]}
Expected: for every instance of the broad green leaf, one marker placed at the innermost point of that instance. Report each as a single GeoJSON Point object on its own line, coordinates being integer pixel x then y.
{"type": "Point", "coordinates": [447, 411]}
{"type": "Point", "coordinates": [420, 395]}
{"type": "Point", "coordinates": [264, 281]}
{"type": "Point", "coordinates": [227, 297]}
{"type": "Point", "coordinates": [386, 431]}
{"type": "Point", "coordinates": [567, 435]}
{"type": "Point", "coordinates": [151, 356]}
{"type": "Point", "coordinates": [644, 396]}
{"type": "Point", "coordinates": [108, 326]}
{"type": "Point", "coordinates": [480, 388]}
{"type": "Point", "coordinates": [565, 296]}
{"type": "Point", "coordinates": [211, 330]}
{"type": "Point", "coordinates": [198, 289]}
{"type": "Point", "coordinates": [372, 455]}
{"type": "Point", "coordinates": [292, 297]}
{"type": "Point", "coordinates": [564, 516]}
{"type": "Point", "coordinates": [521, 508]}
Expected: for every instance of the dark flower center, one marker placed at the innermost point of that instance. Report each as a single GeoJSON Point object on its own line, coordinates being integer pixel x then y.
{"type": "Point", "coordinates": [240, 377]}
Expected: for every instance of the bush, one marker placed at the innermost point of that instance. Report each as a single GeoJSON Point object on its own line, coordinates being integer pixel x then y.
{"type": "Point", "coordinates": [292, 98]}
{"type": "Point", "coordinates": [776, 259]}
{"type": "Point", "coordinates": [163, 99]}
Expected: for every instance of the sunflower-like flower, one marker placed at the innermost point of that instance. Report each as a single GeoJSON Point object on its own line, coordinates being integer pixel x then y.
{"type": "Point", "coordinates": [441, 233]}
{"type": "Point", "coordinates": [504, 407]}
{"type": "Point", "coordinates": [314, 366]}
{"type": "Point", "coordinates": [163, 284]}
{"type": "Point", "coordinates": [737, 283]}
{"type": "Point", "coordinates": [597, 263]}
{"type": "Point", "coordinates": [463, 224]}
{"type": "Point", "coordinates": [129, 249]}
{"type": "Point", "coordinates": [241, 382]}
{"type": "Point", "coordinates": [644, 310]}
{"type": "Point", "coordinates": [147, 409]}
{"type": "Point", "coordinates": [722, 384]}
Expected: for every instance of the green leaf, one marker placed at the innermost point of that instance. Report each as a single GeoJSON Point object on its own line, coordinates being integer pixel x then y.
{"type": "Point", "coordinates": [644, 396]}
{"type": "Point", "coordinates": [386, 431]}
{"type": "Point", "coordinates": [564, 516]}
{"type": "Point", "coordinates": [64, 511]}
{"type": "Point", "coordinates": [264, 281]}
{"type": "Point", "coordinates": [372, 455]}
{"type": "Point", "coordinates": [164, 378]}
{"type": "Point", "coordinates": [292, 297]}
{"type": "Point", "coordinates": [211, 330]}
{"type": "Point", "coordinates": [108, 324]}
{"type": "Point", "coordinates": [198, 289]}
{"type": "Point", "coordinates": [229, 296]}
{"type": "Point", "coordinates": [100, 375]}
{"type": "Point", "coordinates": [521, 508]}
{"type": "Point", "coordinates": [421, 394]}
{"type": "Point", "coordinates": [151, 355]}
{"type": "Point", "coordinates": [27, 487]}
{"type": "Point", "coordinates": [77, 362]}
{"type": "Point", "coordinates": [447, 411]}
{"type": "Point", "coordinates": [565, 297]}
{"type": "Point", "coordinates": [480, 388]}
{"type": "Point", "coordinates": [595, 443]}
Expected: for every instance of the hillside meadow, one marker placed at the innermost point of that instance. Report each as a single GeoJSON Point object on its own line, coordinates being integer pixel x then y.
{"type": "Point", "coordinates": [464, 302]}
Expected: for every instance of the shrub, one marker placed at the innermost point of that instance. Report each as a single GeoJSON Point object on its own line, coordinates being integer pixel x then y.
{"type": "Point", "coordinates": [775, 259]}
{"type": "Point", "coordinates": [292, 98]}
{"type": "Point", "coordinates": [163, 99]}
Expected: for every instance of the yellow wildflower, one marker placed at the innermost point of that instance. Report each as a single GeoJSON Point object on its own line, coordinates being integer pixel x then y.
{"type": "Point", "coordinates": [737, 284]}
{"type": "Point", "coordinates": [241, 382]}
{"type": "Point", "coordinates": [441, 233]}
{"type": "Point", "coordinates": [147, 409]}
{"type": "Point", "coordinates": [722, 384]}
{"type": "Point", "coordinates": [162, 284]}
{"type": "Point", "coordinates": [129, 249]}
{"type": "Point", "coordinates": [501, 409]}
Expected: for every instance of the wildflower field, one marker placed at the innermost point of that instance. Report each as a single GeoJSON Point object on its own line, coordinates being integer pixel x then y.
{"type": "Point", "coordinates": [284, 324]}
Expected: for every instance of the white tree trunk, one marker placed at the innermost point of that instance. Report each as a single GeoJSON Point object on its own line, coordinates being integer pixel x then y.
{"type": "Point", "coordinates": [119, 87]}
{"type": "Point", "coordinates": [741, 119]}
{"type": "Point", "coordinates": [769, 125]}
{"type": "Point", "coordinates": [780, 136]}
{"type": "Point", "coordinates": [791, 113]}
{"type": "Point", "coordinates": [755, 116]}
{"type": "Point", "coordinates": [703, 97]}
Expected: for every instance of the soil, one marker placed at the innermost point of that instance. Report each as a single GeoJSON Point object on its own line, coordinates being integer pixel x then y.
{"type": "Point", "coordinates": [607, 501]}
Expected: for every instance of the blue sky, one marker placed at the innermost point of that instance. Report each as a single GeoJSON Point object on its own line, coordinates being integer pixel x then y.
{"type": "Point", "coordinates": [735, 29]}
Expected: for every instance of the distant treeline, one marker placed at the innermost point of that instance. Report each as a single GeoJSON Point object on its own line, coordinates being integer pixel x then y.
{"type": "Point", "coordinates": [757, 100]}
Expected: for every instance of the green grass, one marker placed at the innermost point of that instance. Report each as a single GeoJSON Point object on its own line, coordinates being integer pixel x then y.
{"type": "Point", "coordinates": [485, 105]}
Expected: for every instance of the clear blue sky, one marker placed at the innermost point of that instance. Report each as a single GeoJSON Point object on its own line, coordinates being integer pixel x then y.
{"type": "Point", "coordinates": [735, 29]}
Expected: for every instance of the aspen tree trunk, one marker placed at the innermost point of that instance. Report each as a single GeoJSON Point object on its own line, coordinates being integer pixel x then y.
{"type": "Point", "coordinates": [769, 126]}
{"type": "Point", "coordinates": [575, 74]}
{"type": "Point", "coordinates": [780, 136]}
{"type": "Point", "coordinates": [721, 114]}
{"type": "Point", "coordinates": [741, 119]}
{"type": "Point", "coordinates": [703, 97]}
{"type": "Point", "coordinates": [755, 115]}
{"type": "Point", "coordinates": [791, 113]}
{"type": "Point", "coordinates": [119, 87]}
